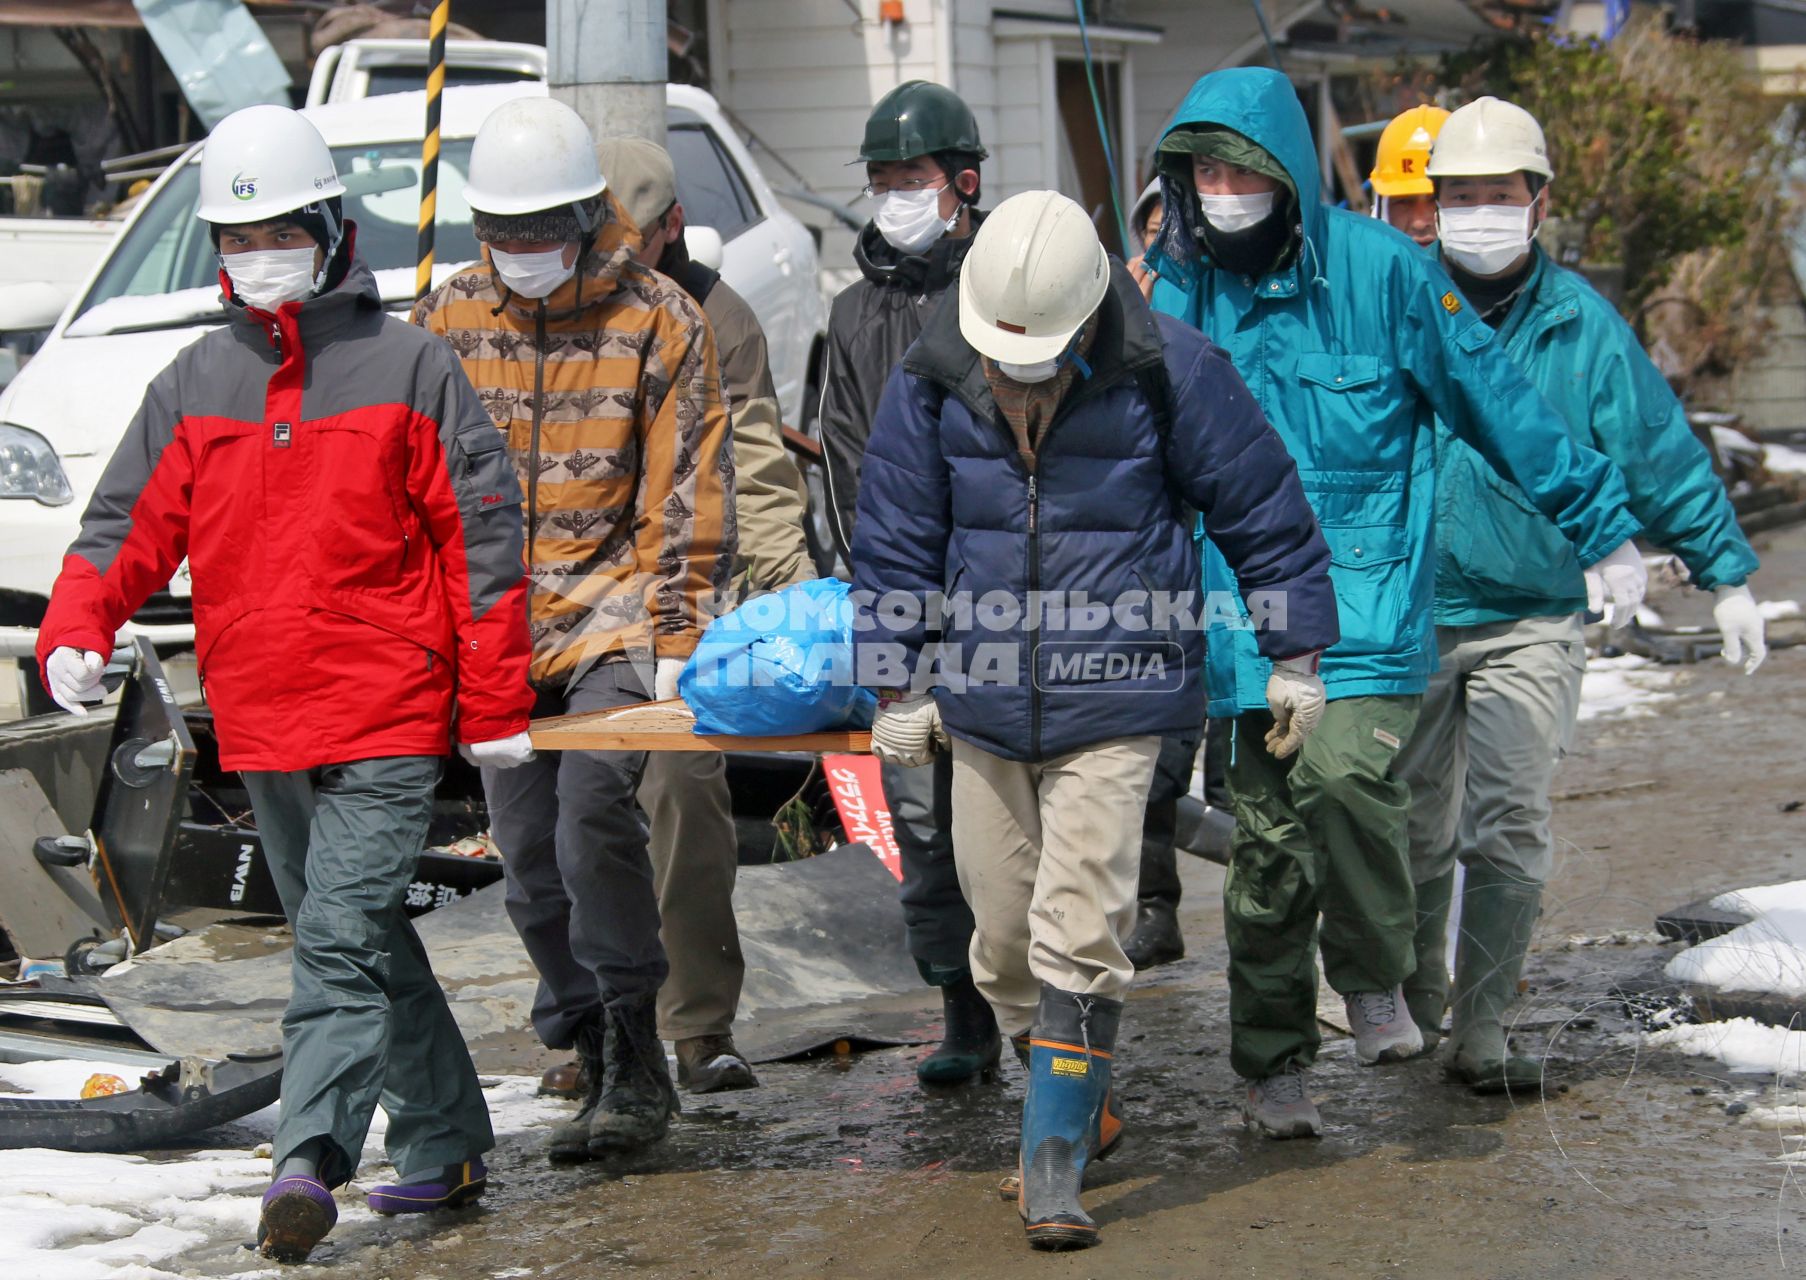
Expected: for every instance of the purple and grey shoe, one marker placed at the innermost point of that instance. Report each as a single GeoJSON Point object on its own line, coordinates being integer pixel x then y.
{"type": "Point", "coordinates": [451, 1187]}
{"type": "Point", "coordinates": [297, 1214]}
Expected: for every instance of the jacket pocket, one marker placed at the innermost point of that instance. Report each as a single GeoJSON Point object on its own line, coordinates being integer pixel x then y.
{"type": "Point", "coordinates": [1370, 567]}
{"type": "Point", "coordinates": [485, 475]}
{"type": "Point", "coordinates": [1337, 372]}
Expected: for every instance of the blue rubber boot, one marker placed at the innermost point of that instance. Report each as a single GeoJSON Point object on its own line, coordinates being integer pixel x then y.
{"type": "Point", "coordinates": [1065, 1118]}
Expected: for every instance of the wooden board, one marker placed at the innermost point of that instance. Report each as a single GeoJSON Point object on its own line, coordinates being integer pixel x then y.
{"type": "Point", "coordinates": [669, 726]}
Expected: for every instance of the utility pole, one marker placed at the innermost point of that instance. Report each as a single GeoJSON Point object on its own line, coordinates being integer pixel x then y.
{"type": "Point", "coordinates": [608, 64]}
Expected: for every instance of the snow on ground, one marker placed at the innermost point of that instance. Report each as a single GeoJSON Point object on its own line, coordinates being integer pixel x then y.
{"type": "Point", "coordinates": [1783, 460]}
{"type": "Point", "coordinates": [1766, 955]}
{"type": "Point", "coordinates": [1741, 1044]}
{"type": "Point", "coordinates": [66, 1216]}
{"type": "Point", "coordinates": [1625, 686]}
{"type": "Point", "coordinates": [1773, 609]}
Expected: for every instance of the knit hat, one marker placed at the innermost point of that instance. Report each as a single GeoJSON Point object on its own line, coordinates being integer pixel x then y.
{"type": "Point", "coordinates": [555, 225]}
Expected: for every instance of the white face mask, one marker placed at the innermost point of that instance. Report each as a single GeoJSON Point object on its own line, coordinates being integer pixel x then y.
{"type": "Point", "coordinates": [1485, 239]}
{"type": "Point", "coordinates": [532, 275]}
{"type": "Point", "coordinates": [1029, 373]}
{"type": "Point", "coordinates": [267, 278]}
{"type": "Point", "coordinates": [1236, 213]}
{"type": "Point", "coordinates": [911, 220]}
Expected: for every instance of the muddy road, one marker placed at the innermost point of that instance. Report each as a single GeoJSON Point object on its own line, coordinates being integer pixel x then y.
{"type": "Point", "coordinates": [1631, 1164]}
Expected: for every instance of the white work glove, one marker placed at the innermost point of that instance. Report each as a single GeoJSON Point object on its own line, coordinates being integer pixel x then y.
{"type": "Point", "coordinates": [1296, 697]}
{"type": "Point", "coordinates": [905, 730]}
{"type": "Point", "coordinates": [499, 753]}
{"type": "Point", "coordinates": [664, 678]}
{"type": "Point", "coordinates": [74, 678]}
{"type": "Point", "coordinates": [1741, 624]}
{"type": "Point", "coordinates": [1620, 581]}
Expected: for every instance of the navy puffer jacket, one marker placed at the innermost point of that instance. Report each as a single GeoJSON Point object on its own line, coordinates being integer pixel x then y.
{"type": "Point", "coordinates": [948, 509]}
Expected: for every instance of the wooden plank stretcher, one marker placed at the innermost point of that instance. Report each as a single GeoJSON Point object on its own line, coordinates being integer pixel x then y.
{"type": "Point", "coordinates": [669, 726]}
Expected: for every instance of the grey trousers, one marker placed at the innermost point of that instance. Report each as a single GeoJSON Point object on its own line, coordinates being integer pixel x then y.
{"type": "Point", "coordinates": [936, 919]}
{"type": "Point", "coordinates": [573, 846]}
{"type": "Point", "coordinates": [366, 1022]}
{"type": "Point", "coordinates": [1497, 718]}
{"type": "Point", "coordinates": [695, 854]}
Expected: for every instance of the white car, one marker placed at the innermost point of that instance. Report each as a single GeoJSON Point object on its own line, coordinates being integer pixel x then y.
{"type": "Point", "coordinates": [156, 290]}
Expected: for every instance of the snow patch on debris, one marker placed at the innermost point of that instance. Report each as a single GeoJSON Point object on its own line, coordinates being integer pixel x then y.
{"type": "Point", "coordinates": [1783, 460]}
{"type": "Point", "coordinates": [68, 1216]}
{"type": "Point", "coordinates": [1741, 1044]}
{"type": "Point", "coordinates": [1626, 686]}
{"type": "Point", "coordinates": [1767, 955]}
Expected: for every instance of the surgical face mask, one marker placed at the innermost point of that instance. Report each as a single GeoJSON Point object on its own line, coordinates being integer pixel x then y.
{"type": "Point", "coordinates": [267, 278]}
{"type": "Point", "coordinates": [911, 220]}
{"type": "Point", "coordinates": [1236, 213]}
{"type": "Point", "coordinates": [1030, 373]}
{"type": "Point", "coordinates": [531, 275]}
{"type": "Point", "coordinates": [1485, 239]}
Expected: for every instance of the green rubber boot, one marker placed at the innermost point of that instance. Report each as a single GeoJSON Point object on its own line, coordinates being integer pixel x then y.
{"type": "Point", "coordinates": [970, 1047]}
{"type": "Point", "coordinates": [1427, 990]}
{"type": "Point", "coordinates": [1498, 914]}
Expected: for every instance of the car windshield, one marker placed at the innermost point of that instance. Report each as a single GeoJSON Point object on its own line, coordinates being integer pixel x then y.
{"type": "Point", "coordinates": [168, 248]}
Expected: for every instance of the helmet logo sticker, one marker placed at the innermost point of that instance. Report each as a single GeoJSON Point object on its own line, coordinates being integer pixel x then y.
{"type": "Point", "coordinates": [244, 188]}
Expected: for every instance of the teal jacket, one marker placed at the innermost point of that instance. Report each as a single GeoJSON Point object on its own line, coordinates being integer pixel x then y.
{"type": "Point", "coordinates": [1353, 350]}
{"type": "Point", "coordinates": [1497, 558]}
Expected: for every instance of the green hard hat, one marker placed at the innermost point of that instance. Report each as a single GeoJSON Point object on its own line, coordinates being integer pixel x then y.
{"type": "Point", "coordinates": [919, 119]}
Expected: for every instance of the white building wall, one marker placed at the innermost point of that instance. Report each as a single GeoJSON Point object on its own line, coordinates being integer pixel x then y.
{"type": "Point", "coordinates": [802, 75]}
{"type": "Point", "coordinates": [1201, 36]}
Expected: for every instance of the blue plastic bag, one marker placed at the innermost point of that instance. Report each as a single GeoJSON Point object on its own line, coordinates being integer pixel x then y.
{"type": "Point", "coordinates": [779, 664]}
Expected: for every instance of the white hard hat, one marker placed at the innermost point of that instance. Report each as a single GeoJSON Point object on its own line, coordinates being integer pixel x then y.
{"type": "Point", "coordinates": [1489, 136]}
{"type": "Point", "coordinates": [1033, 276]}
{"type": "Point", "coordinates": [529, 155]}
{"type": "Point", "coordinates": [262, 162]}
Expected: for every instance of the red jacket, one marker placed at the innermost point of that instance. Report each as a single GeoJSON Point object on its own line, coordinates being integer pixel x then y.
{"type": "Point", "coordinates": [353, 531]}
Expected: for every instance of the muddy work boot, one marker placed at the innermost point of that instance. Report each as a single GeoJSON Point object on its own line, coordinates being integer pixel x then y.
{"type": "Point", "coordinates": [569, 1142]}
{"type": "Point", "coordinates": [1382, 1026]}
{"type": "Point", "coordinates": [566, 1080]}
{"type": "Point", "coordinates": [1070, 1057]}
{"type": "Point", "coordinates": [1427, 990]}
{"type": "Point", "coordinates": [711, 1064]}
{"type": "Point", "coordinates": [297, 1214]}
{"type": "Point", "coordinates": [1498, 915]}
{"type": "Point", "coordinates": [970, 1046]}
{"type": "Point", "coordinates": [637, 1101]}
{"type": "Point", "coordinates": [1281, 1107]}
{"type": "Point", "coordinates": [1156, 939]}
{"type": "Point", "coordinates": [454, 1186]}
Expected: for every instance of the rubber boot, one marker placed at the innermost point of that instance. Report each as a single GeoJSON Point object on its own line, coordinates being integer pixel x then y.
{"type": "Point", "coordinates": [638, 1098]}
{"type": "Point", "coordinates": [1070, 1056]}
{"type": "Point", "coordinates": [1156, 939]}
{"type": "Point", "coordinates": [970, 1044]}
{"type": "Point", "coordinates": [570, 1138]}
{"type": "Point", "coordinates": [1427, 990]}
{"type": "Point", "coordinates": [1498, 914]}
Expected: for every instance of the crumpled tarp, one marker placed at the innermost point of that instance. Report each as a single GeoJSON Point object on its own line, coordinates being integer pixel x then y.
{"type": "Point", "coordinates": [823, 940]}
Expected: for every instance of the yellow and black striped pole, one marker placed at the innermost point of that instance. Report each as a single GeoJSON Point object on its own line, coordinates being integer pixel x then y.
{"type": "Point", "coordinates": [429, 150]}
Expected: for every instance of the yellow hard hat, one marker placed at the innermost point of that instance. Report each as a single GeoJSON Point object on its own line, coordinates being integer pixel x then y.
{"type": "Point", "coordinates": [1404, 154]}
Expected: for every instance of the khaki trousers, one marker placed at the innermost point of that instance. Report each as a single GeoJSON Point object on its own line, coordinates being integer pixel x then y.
{"type": "Point", "coordinates": [695, 854]}
{"type": "Point", "coordinates": [1049, 855]}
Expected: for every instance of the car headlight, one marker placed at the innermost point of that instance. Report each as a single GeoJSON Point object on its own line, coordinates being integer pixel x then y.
{"type": "Point", "coordinates": [29, 468]}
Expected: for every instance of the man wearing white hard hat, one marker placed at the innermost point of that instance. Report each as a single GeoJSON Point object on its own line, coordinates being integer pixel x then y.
{"type": "Point", "coordinates": [1501, 710]}
{"type": "Point", "coordinates": [602, 379]}
{"type": "Point", "coordinates": [1035, 453]}
{"type": "Point", "coordinates": [350, 527]}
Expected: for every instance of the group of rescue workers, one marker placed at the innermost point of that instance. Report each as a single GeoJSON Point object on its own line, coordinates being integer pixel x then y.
{"type": "Point", "coordinates": [1411, 468]}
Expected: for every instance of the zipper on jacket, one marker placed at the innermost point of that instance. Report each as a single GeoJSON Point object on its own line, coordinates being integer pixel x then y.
{"type": "Point", "coordinates": [1034, 629]}
{"type": "Point", "coordinates": [539, 390]}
